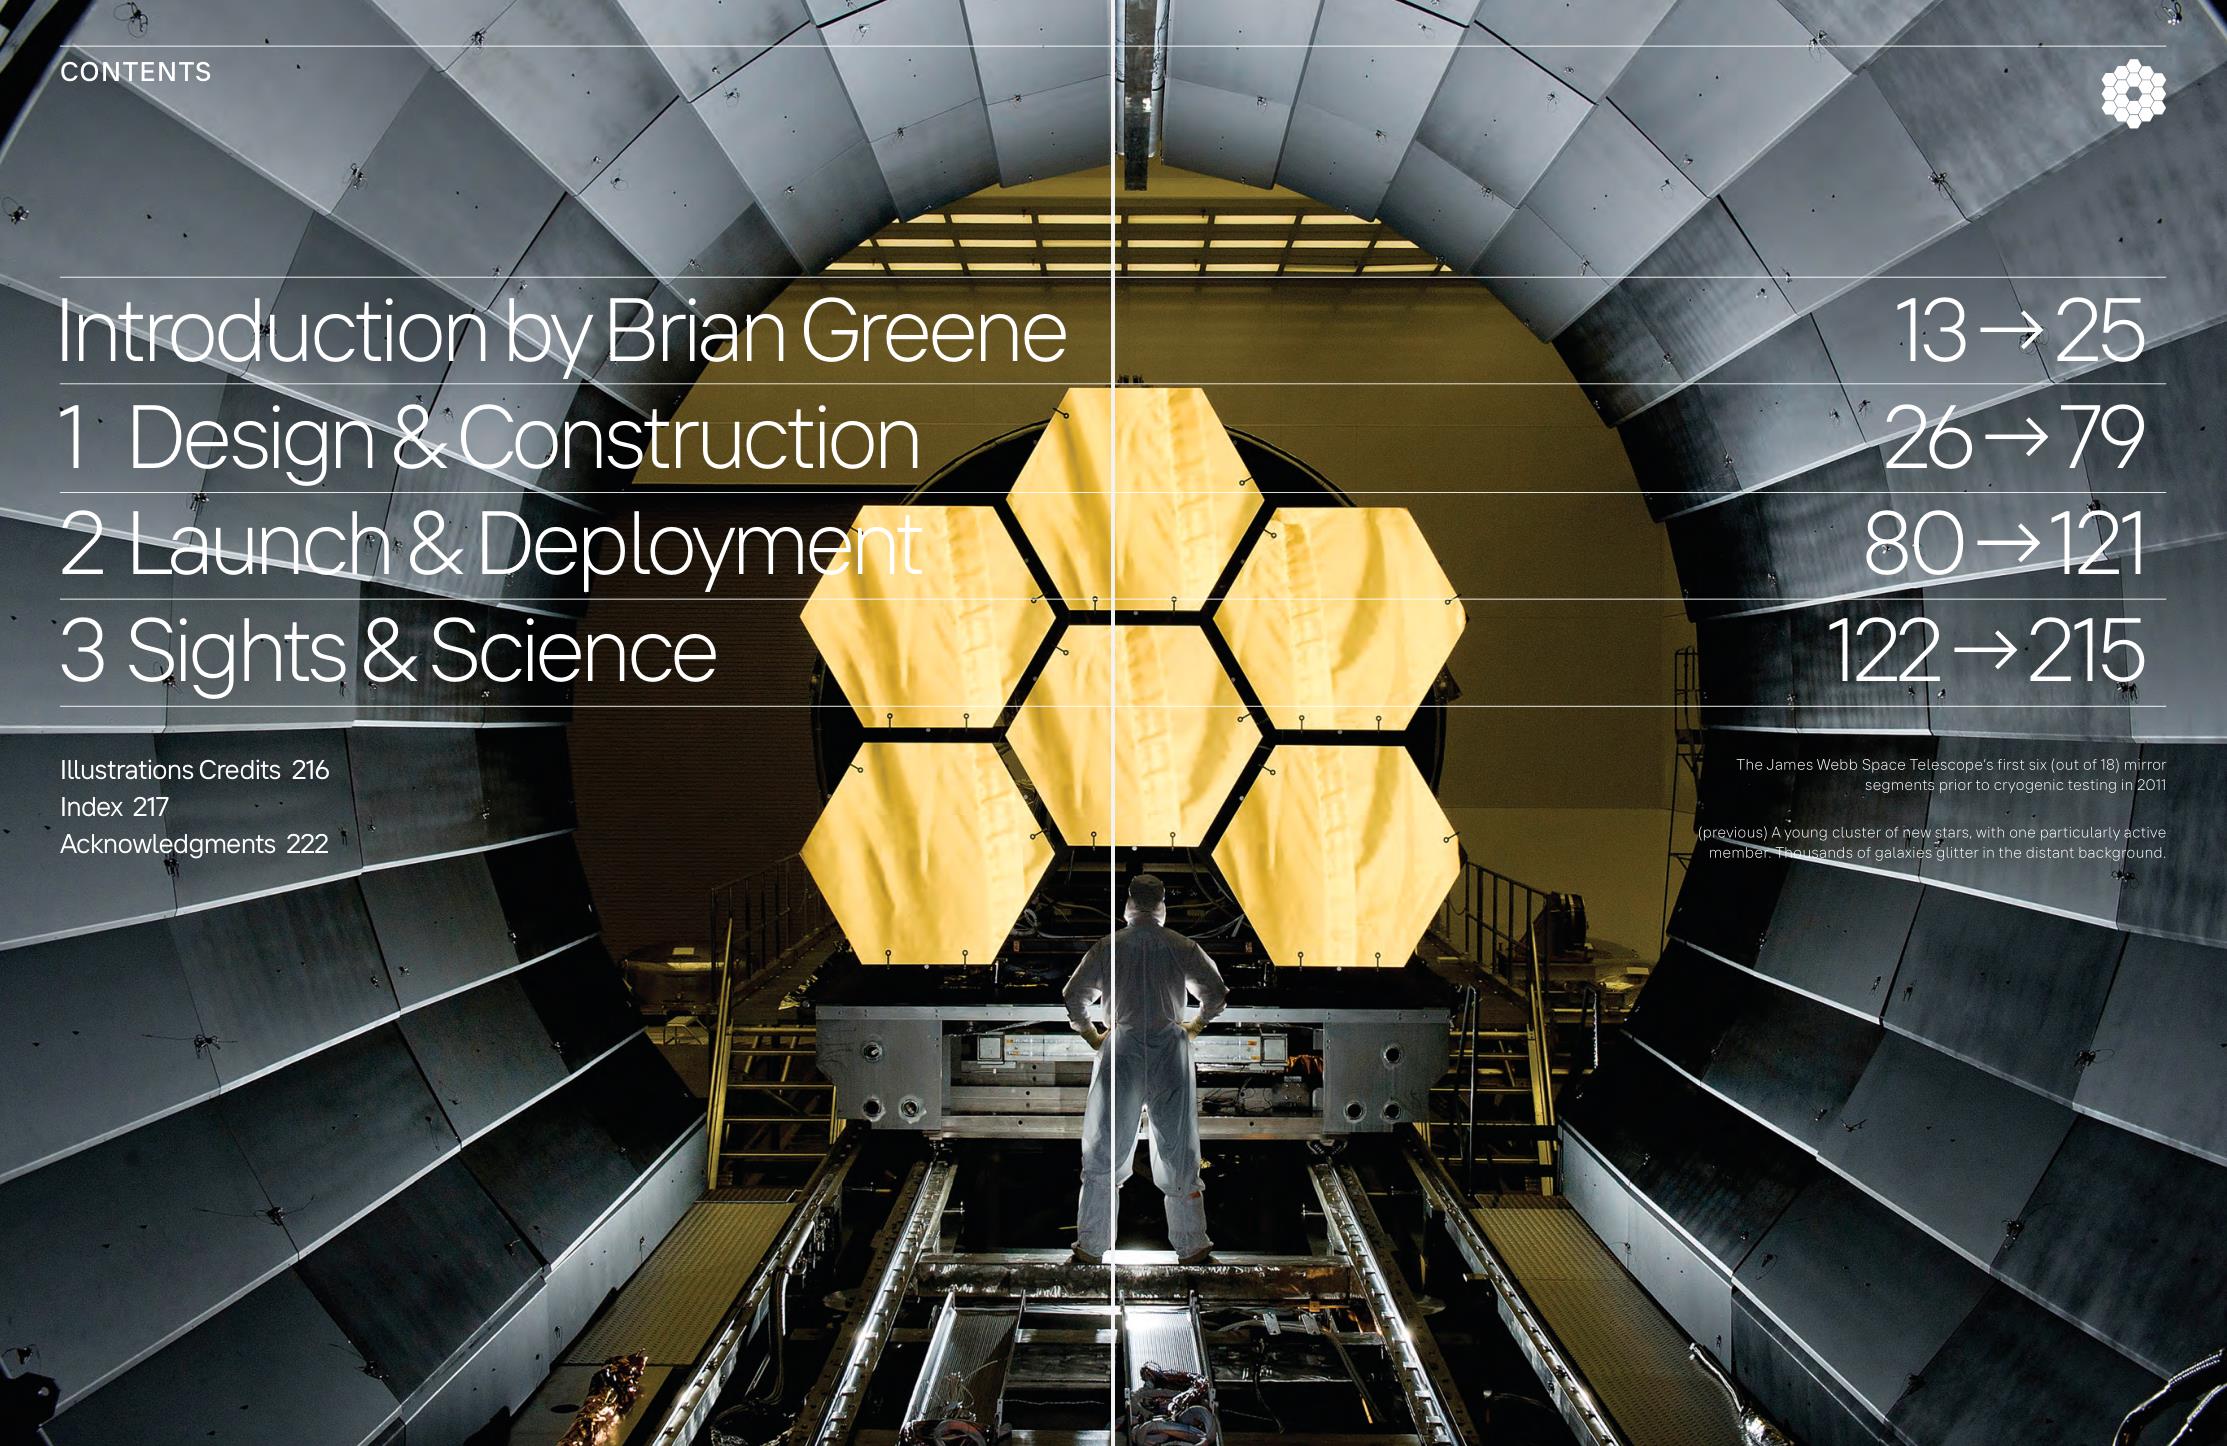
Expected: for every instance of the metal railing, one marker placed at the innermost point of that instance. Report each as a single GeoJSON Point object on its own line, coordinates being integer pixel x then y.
{"type": "Point", "coordinates": [760, 923]}
{"type": "Point", "coordinates": [1496, 923]}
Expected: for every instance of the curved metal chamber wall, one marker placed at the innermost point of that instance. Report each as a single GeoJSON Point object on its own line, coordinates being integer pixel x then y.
{"type": "Point", "coordinates": [357, 1141]}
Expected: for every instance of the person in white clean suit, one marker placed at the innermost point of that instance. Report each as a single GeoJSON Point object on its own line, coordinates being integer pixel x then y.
{"type": "Point", "coordinates": [1142, 977]}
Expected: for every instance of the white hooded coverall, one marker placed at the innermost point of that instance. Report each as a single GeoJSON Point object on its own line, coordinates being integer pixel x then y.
{"type": "Point", "coordinates": [1144, 1064]}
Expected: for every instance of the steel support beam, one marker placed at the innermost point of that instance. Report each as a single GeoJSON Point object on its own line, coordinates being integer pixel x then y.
{"type": "Point", "coordinates": [1432, 1398]}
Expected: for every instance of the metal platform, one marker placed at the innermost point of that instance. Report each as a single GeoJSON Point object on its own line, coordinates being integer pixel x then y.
{"type": "Point", "coordinates": [1630, 1353]}
{"type": "Point", "coordinates": [668, 1312]}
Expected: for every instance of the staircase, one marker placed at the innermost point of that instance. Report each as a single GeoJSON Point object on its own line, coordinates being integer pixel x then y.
{"type": "Point", "coordinates": [772, 1114]}
{"type": "Point", "coordinates": [1531, 1016]}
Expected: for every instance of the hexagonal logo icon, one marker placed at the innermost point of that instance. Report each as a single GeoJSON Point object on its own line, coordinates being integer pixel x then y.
{"type": "Point", "coordinates": [933, 619]}
{"type": "Point", "coordinates": [927, 853]}
{"type": "Point", "coordinates": [1339, 855]}
{"type": "Point", "coordinates": [1133, 736]}
{"type": "Point", "coordinates": [1341, 617]}
{"type": "Point", "coordinates": [1137, 495]}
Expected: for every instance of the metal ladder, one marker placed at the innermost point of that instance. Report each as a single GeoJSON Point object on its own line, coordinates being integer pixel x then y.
{"type": "Point", "coordinates": [771, 1114]}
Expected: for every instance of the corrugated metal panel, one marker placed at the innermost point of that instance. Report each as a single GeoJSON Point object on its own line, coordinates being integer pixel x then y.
{"type": "Point", "coordinates": [674, 1303]}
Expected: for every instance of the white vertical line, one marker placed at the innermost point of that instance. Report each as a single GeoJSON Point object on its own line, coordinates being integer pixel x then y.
{"type": "Point", "coordinates": [1113, 702]}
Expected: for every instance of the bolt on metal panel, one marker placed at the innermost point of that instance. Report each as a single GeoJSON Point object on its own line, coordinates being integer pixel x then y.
{"type": "Point", "coordinates": [938, 159]}
{"type": "Point", "coordinates": [333, 71]}
{"type": "Point", "coordinates": [1623, 365]}
{"type": "Point", "coordinates": [825, 215]}
{"type": "Point", "coordinates": [1375, 65]}
{"type": "Point", "coordinates": [1498, 117]}
{"type": "Point", "coordinates": [408, 1329]}
{"type": "Point", "coordinates": [1838, 933]}
{"type": "Point", "coordinates": [1024, 47]}
{"type": "Point", "coordinates": [1611, 194]}
{"type": "Point", "coordinates": [163, 1226]}
{"type": "Point", "coordinates": [279, 977]}
{"type": "Point", "coordinates": [1441, 210]}
{"type": "Point", "coordinates": [670, 192]}
{"type": "Point", "coordinates": [2012, 990]}
{"type": "Point", "coordinates": [106, 179]}
{"type": "Point", "coordinates": [304, 814]}
{"type": "Point", "coordinates": [1779, 408]}
{"type": "Point", "coordinates": [417, 791]}
{"type": "Point", "coordinates": [1248, 48]}
{"type": "Point", "coordinates": [443, 29]}
{"type": "Point", "coordinates": [904, 62]}
{"type": "Point", "coordinates": [440, 925]}
{"type": "Point", "coordinates": [2087, 1243]}
{"type": "Point", "coordinates": [1537, 276]}
{"type": "Point", "coordinates": [1224, 133]}
{"type": "Point", "coordinates": [1992, 109]}
{"type": "Point", "coordinates": [1855, 30]}
{"type": "Point", "coordinates": [702, 40]}
{"type": "Point", "coordinates": [570, 78]}
{"type": "Point", "coordinates": [1859, 1287]}
{"type": "Point", "coordinates": [337, 1133]}
{"type": "Point", "coordinates": [2014, 1371]}
{"type": "Point", "coordinates": [1705, 294]}
{"type": "Point", "coordinates": [103, 1035]}
{"type": "Point", "coordinates": [485, 1053]}
{"type": "Point", "coordinates": [1953, 1147]}
{"type": "Point", "coordinates": [271, 1370]}
{"type": "Point", "coordinates": [1050, 133]}
{"type": "Point", "coordinates": [1586, 43]}
{"type": "Point", "coordinates": [1841, 195]}
{"type": "Point", "coordinates": [1720, 80]}
{"type": "Point", "coordinates": [2161, 1027]}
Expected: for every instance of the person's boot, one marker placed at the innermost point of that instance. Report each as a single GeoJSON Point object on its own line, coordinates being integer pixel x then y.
{"type": "Point", "coordinates": [1079, 1256]}
{"type": "Point", "coordinates": [1204, 1255]}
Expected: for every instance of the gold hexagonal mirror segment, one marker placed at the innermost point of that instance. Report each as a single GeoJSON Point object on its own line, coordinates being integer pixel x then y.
{"type": "Point", "coordinates": [1133, 735]}
{"type": "Point", "coordinates": [930, 627]}
{"type": "Point", "coordinates": [1339, 855]}
{"type": "Point", "coordinates": [1136, 494]}
{"type": "Point", "coordinates": [927, 853]}
{"type": "Point", "coordinates": [1341, 617]}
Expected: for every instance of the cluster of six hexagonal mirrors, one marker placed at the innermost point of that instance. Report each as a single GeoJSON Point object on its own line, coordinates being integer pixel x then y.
{"type": "Point", "coordinates": [1131, 733]}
